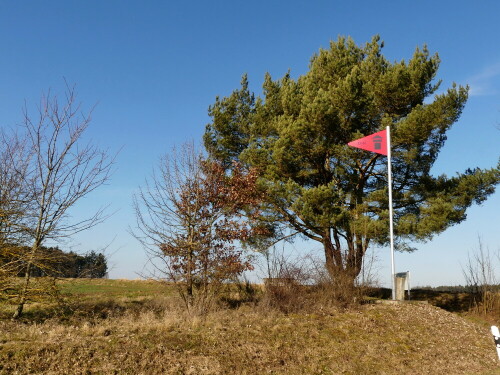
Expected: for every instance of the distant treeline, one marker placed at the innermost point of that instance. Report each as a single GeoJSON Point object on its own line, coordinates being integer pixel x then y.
{"type": "Point", "coordinates": [450, 289]}
{"type": "Point", "coordinates": [52, 261]}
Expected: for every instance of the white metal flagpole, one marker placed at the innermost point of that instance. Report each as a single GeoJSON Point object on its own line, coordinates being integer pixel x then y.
{"type": "Point", "coordinates": [391, 227]}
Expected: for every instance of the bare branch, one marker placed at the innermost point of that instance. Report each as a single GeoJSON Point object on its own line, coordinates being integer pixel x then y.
{"type": "Point", "coordinates": [52, 170]}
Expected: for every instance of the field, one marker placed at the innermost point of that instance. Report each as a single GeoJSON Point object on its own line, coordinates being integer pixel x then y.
{"type": "Point", "coordinates": [138, 327]}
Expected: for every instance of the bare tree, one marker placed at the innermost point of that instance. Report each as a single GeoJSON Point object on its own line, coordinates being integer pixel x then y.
{"type": "Point", "coordinates": [59, 172]}
{"type": "Point", "coordinates": [14, 161]}
{"type": "Point", "coordinates": [15, 201]}
{"type": "Point", "coordinates": [481, 278]}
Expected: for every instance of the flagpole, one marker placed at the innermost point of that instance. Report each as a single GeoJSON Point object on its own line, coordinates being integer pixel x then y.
{"type": "Point", "coordinates": [391, 226]}
{"type": "Point", "coordinates": [373, 143]}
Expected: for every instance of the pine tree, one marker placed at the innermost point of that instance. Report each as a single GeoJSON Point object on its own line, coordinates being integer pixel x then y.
{"type": "Point", "coordinates": [296, 135]}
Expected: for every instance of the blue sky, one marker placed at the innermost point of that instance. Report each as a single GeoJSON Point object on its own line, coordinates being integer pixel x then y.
{"type": "Point", "coordinates": [154, 67]}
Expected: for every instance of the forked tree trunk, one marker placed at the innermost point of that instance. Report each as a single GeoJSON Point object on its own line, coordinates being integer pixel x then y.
{"type": "Point", "coordinates": [343, 268]}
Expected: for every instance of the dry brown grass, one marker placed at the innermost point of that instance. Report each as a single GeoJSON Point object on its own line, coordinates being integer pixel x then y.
{"type": "Point", "coordinates": [373, 339]}
{"type": "Point", "coordinates": [485, 307]}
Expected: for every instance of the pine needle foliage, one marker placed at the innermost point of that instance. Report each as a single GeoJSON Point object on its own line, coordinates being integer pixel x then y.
{"type": "Point", "coordinates": [296, 135]}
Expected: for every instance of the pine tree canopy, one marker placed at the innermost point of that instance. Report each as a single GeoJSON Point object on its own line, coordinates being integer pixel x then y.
{"type": "Point", "coordinates": [296, 135]}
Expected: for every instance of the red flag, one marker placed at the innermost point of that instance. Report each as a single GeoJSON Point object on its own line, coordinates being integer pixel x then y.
{"type": "Point", "coordinates": [376, 142]}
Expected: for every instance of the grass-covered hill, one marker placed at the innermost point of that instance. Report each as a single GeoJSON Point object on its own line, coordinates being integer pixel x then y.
{"type": "Point", "coordinates": [136, 327]}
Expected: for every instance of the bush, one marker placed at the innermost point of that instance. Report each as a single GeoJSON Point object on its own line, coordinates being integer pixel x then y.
{"type": "Point", "coordinates": [482, 284]}
{"type": "Point", "coordinates": [305, 285]}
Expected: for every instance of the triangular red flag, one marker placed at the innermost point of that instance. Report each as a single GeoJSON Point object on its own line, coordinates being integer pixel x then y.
{"type": "Point", "coordinates": [376, 142]}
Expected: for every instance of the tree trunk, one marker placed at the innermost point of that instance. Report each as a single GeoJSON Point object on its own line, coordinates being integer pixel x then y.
{"type": "Point", "coordinates": [24, 292]}
{"type": "Point", "coordinates": [343, 268]}
{"type": "Point", "coordinates": [189, 277]}
{"type": "Point", "coordinates": [27, 277]}
{"type": "Point", "coordinates": [354, 261]}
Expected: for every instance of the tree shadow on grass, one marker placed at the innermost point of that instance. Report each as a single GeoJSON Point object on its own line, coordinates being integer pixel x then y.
{"type": "Point", "coordinates": [75, 312]}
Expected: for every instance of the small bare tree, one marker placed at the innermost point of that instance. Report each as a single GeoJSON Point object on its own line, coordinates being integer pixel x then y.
{"type": "Point", "coordinates": [481, 278]}
{"type": "Point", "coordinates": [59, 172]}
{"type": "Point", "coordinates": [189, 216]}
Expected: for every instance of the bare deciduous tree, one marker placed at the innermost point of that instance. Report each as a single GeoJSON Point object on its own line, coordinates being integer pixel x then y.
{"type": "Point", "coordinates": [60, 170]}
{"type": "Point", "coordinates": [15, 203]}
{"type": "Point", "coordinates": [481, 277]}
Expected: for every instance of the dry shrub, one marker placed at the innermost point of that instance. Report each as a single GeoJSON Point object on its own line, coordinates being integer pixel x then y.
{"type": "Point", "coordinates": [490, 302]}
{"type": "Point", "coordinates": [340, 292]}
{"type": "Point", "coordinates": [287, 283]}
{"type": "Point", "coordinates": [238, 292]}
{"type": "Point", "coordinates": [304, 285]}
{"type": "Point", "coordinates": [482, 283]}
{"type": "Point", "coordinates": [284, 294]}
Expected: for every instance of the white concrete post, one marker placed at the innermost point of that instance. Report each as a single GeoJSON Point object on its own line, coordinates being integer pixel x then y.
{"type": "Point", "coordinates": [496, 337]}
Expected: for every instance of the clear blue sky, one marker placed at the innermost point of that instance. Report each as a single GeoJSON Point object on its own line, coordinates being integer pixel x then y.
{"type": "Point", "coordinates": [154, 67]}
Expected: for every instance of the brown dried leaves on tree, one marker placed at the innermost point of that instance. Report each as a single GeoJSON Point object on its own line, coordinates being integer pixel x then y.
{"type": "Point", "coordinates": [192, 216]}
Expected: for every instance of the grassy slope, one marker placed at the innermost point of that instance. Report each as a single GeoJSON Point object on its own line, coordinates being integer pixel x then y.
{"type": "Point", "coordinates": [375, 339]}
